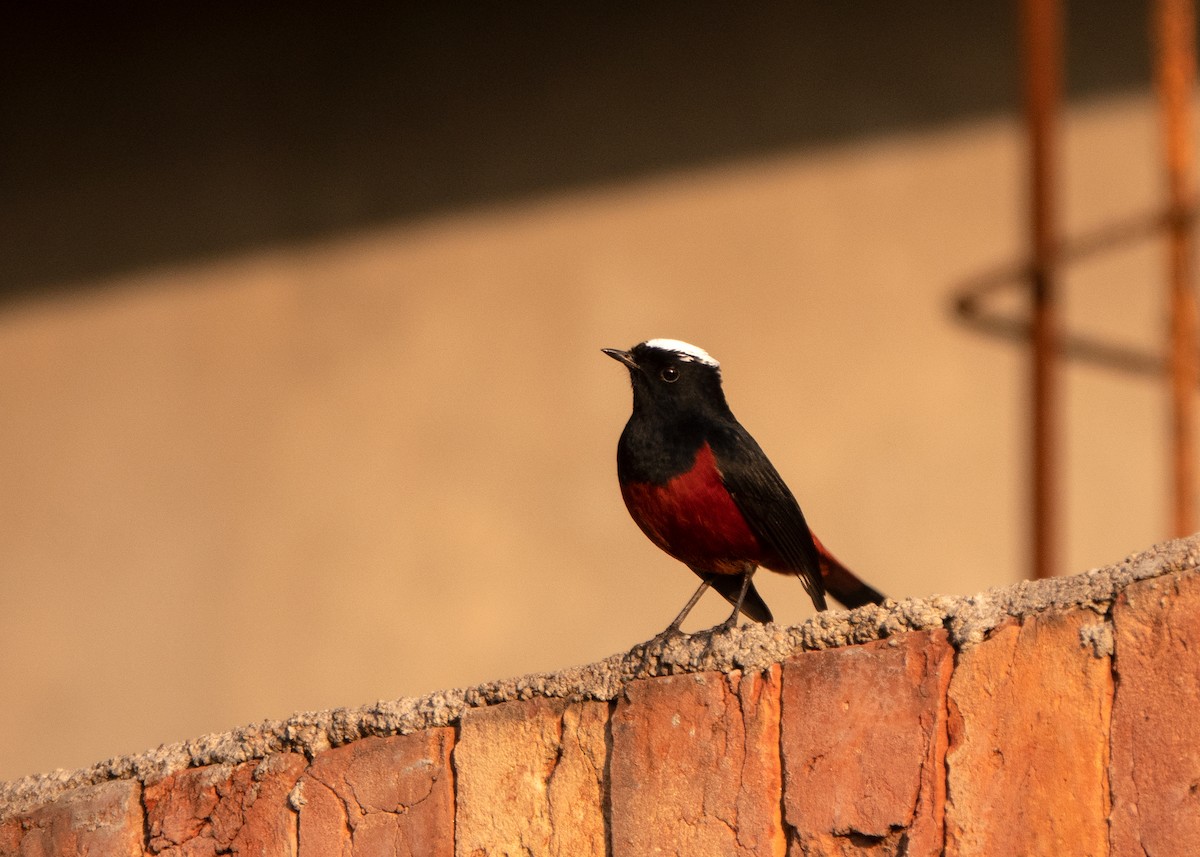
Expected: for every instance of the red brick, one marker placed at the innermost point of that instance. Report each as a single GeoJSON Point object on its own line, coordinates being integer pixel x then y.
{"type": "Point", "coordinates": [102, 819]}
{"type": "Point", "coordinates": [531, 779]}
{"type": "Point", "coordinates": [864, 739]}
{"type": "Point", "coordinates": [1029, 722]}
{"type": "Point", "coordinates": [10, 837]}
{"type": "Point", "coordinates": [203, 811]}
{"type": "Point", "coordinates": [392, 796]}
{"type": "Point", "coordinates": [178, 809]}
{"type": "Point", "coordinates": [695, 766]}
{"type": "Point", "coordinates": [1156, 718]}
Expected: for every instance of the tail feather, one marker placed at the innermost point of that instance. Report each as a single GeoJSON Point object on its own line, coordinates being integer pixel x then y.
{"type": "Point", "coordinates": [843, 584]}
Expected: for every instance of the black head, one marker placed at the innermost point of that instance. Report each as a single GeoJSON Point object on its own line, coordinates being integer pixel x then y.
{"type": "Point", "coordinates": [673, 379]}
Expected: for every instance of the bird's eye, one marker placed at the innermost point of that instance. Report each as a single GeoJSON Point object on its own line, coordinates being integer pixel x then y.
{"type": "Point", "coordinates": [670, 374]}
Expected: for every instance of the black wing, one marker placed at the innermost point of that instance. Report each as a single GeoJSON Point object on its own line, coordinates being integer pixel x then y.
{"type": "Point", "coordinates": [768, 506]}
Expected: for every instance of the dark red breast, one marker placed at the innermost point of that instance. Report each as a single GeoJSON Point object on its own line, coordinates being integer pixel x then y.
{"type": "Point", "coordinates": [693, 518]}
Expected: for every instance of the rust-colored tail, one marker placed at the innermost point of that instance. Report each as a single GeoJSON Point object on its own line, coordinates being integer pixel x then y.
{"type": "Point", "coordinates": [843, 584]}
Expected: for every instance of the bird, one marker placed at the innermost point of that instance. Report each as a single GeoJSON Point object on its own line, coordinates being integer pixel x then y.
{"type": "Point", "coordinates": [701, 488]}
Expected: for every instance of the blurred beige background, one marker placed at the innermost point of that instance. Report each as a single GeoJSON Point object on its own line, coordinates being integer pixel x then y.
{"type": "Point", "coordinates": [293, 434]}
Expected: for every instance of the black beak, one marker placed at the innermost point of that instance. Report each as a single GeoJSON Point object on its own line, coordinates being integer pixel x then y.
{"type": "Point", "coordinates": [624, 356]}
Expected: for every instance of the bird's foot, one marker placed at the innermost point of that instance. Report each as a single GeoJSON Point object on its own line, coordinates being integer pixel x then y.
{"type": "Point", "coordinates": [668, 633]}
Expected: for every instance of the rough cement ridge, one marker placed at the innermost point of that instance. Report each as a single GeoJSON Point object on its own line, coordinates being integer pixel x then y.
{"type": "Point", "coordinates": [968, 619]}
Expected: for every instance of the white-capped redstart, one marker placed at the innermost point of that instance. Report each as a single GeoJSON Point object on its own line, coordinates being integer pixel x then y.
{"type": "Point", "coordinates": [702, 489]}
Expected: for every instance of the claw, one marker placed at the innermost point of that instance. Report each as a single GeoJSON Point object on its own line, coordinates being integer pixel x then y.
{"type": "Point", "coordinates": [667, 633]}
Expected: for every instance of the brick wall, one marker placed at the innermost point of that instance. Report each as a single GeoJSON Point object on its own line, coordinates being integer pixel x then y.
{"type": "Point", "coordinates": [1052, 718]}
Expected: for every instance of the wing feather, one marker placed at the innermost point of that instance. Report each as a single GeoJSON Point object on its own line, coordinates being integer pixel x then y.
{"type": "Point", "coordinates": [768, 506]}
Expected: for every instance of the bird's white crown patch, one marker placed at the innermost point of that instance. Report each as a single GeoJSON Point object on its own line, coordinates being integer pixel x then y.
{"type": "Point", "coordinates": [685, 350]}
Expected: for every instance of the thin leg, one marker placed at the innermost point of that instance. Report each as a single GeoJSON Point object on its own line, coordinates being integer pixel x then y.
{"type": "Point", "coordinates": [687, 608]}
{"type": "Point", "coordinates": [732, 621]}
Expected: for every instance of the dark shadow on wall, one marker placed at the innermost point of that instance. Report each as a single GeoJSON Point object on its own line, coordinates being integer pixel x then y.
{"type": "Point", "coordinates": [136, 135]}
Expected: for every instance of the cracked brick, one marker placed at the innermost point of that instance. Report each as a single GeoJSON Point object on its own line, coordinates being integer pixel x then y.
{"type": "Point", "coordinates": [391, 795]}
{"type": "Point", "coordinates": [864, 742]}
{"type": "Point", "coordinates": [531, 779]}
{"type": "Point", "coordinates": [695, 766]}
{"type": "Point", "coordinates": [221, 808]}
{"type": "Point", "coordinates": [1030, 710]}
{"type": "Point", "coordinates": [10, 837]}
{"type": "Point", "coordinates": [105, 818]}
{"type": "Point", "coordinates": [1155, 728]}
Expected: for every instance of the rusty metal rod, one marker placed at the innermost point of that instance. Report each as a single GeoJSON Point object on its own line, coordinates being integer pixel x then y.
{"type": "Point", "coordinates": [970, 299]}
{"type": "Point", "coordinates": [1041, 35]}
{"type": "Point", "coordinates": [1175, 71]}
